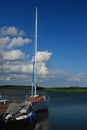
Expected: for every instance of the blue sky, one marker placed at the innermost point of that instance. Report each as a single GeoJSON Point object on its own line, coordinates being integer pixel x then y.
{"type": "Point", "coordinates": [62, 42]}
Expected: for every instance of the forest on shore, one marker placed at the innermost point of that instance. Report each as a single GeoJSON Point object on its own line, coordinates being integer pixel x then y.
{"type": "Point", "coordinates": [52, 89]}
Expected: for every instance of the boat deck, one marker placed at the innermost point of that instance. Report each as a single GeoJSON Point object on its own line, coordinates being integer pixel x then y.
{"type": "Point", "coordinates": [35, 99]}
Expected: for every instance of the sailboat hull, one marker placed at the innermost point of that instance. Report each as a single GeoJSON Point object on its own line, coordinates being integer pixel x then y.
{"type": "Point", "coordinates": [40, 106]}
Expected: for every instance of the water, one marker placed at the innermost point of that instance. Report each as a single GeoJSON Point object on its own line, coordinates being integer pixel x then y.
{"type": "Point", "coordinates": [67, 111]}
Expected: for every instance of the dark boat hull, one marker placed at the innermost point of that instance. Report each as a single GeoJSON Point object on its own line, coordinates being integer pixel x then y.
{"type": "Point", "coordinates": [20, 123]}
{"type": "Point", "coordinates": [40, 106]}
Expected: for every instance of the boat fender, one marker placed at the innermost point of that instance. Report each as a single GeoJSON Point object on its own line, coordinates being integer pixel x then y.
{"type": "Point", "coordinates": [30, 120]}
{"type": "Point", "coordinates": [33, 117]}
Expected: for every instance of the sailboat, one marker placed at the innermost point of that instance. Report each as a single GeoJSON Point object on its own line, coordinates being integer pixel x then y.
{"type": "Point", "coordinates": [39, 102]}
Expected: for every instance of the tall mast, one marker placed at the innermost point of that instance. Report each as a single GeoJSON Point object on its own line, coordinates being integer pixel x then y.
{"type": "Point", "coordinates": [36, 25]}
{"type": "Point", "coordinates": [32, 92]}
{"type": "Point", "coordinates": [36, 41]}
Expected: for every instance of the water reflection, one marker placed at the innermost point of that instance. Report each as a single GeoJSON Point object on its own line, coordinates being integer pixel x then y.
{"type": "Point", "coordinates": [42, 123]}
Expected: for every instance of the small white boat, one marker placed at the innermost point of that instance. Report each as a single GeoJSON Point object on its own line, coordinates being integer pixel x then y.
{"type": "Point", "coordinates": [3, 100]}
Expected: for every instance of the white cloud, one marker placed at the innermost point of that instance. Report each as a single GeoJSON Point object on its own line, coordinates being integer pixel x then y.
{"type": "Point", "coordinates": [18, 42]}
{"type": "Point", "coordinates": [12, 31]}
{"type": "Point", "coordinates": [11, 37]}
{"type": "Point", "coordinates": [8, 78]}
{"type": "Point", "coordinates": [43, 56]}
{"type": "Point", "coordinates": [42, 69]}
{"type": "Point", "coordinates": [7, 42]}
{"type": "Point", "coordinates": [12, 66]}
{"type": "Point", "coordinates": [19, 71]}
{"type": "Point", "coordinates": [13, 55]}
{"type": "Point", "coordinates": [59, 78]}
{"type": "Point", "coordinates": [17, 67]}
{"type": "Point", "coordinates": [75, 79]}
{"type": "Point", "coordinates": [22, 67]}
{"type": "Point", "coordinates": [1, 55]}
{"type": "Point", "coordinates": [13, 62]}
{"type": "Point", "coordinates": [4, 41]}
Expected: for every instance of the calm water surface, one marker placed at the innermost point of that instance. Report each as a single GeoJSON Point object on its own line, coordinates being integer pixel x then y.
{"type": "Point", "coordinates": [67, 111]}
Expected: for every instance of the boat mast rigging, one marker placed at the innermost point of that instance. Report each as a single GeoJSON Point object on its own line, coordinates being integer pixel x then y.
{"type": "Point", "coordinates": [34, 73]}
{"type": "Point", "coordinates": [36, 41]}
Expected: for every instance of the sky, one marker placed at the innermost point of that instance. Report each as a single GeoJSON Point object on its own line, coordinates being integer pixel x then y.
{"type": "Point", "coordinates": [62, 42]}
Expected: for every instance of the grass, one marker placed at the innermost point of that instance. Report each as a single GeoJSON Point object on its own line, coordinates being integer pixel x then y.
{"type": "Point", "coordinates": [69, 90]}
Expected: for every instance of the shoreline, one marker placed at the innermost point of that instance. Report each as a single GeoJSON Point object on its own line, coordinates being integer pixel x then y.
{"type": "Point", "coordinates": [53, 89]}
